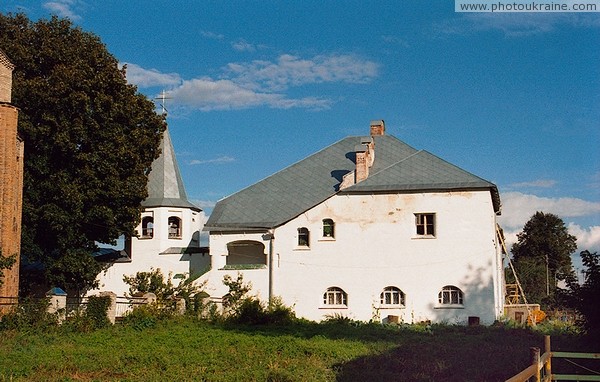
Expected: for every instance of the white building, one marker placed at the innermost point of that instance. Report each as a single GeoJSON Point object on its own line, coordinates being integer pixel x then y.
{"type": "Point", "coordinates": [168, 234]}
{"type": "Point", "coordinates": [367, 228]}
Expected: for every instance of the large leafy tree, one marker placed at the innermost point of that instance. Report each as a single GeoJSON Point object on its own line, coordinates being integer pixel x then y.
{"type": "Point", "coordinates": [90, 139]}
{"type": "Point", "coordinates": [584, 297]}
{"type": "Point", "coordinates": [542, 257]}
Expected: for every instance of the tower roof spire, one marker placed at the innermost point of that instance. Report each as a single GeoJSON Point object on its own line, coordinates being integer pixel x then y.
{"type": "Point", "coordinates": [165, 185]}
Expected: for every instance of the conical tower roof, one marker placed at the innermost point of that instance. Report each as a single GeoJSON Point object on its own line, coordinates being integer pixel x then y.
{"type": "Point", "coordinates": [165, 186]}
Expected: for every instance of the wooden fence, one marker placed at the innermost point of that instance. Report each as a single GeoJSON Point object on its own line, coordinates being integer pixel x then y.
{"type": "Point", "coordinates": [541, 366]}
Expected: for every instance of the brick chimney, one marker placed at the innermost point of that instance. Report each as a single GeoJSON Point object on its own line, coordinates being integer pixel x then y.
{"type": "Point", "coordinates": [377, 127]}
{"type": "Point", "coordinates": [365, 155]}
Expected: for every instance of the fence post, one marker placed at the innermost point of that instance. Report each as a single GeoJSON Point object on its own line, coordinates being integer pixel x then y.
{"type": "Point", "coordinates": [535, 360]}
{"type": "Point", "coordinates": [180, 306]}
{"type": "Point", "coordinates": [58, 303]}
{"type": "Point", "coordinates": [150, 298]}
{"type": "Point", "coordinates": [548, 365]}
{"type": "Point", "coordinates": [111, 312]}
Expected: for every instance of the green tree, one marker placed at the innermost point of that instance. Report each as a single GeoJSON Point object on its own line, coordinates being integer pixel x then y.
{"type": "Point", "coordinates": [90, 139]}
{"type": "Point", "coordinates": [584, 297]}
{"type": "Point", "coordinates": [5, 263]}
{"type": "Point", "coordinates": [542, 257]}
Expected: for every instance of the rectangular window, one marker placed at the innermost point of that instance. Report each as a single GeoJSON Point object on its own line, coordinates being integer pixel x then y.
{"type": "Point", "coordinates": [425, 224]}
{"type": "Point", "coordinates": [303, 237]}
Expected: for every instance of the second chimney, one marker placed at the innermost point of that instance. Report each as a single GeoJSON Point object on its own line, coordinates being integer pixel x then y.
{"type": "Point", "coordinates": [377, 127]}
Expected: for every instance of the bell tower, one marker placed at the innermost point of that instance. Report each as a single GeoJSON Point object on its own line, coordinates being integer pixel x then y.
{"type": "Point", "coordinates": [168, 236]}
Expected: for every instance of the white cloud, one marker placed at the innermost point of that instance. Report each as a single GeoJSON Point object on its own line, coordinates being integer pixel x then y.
{"type": "Point", "coordinates": [258, 83]}
{"type": "Point", "coordinates": [517, 24]}
{"type": "Point", "coordinates": [243, 46]}
{"type": "Point", "coordinates": [517, 209]}
{"type": "Point", "coordinates": [291, 70]}
{"type": "Point", "coordinates": [63, 8]}
{"type": "Point", "coordinates": [223, 159]}
{"type": "Point", "coordinates": [540, 183]}
{"type": "Point", "coordinates": [395, 41]}
{"type": "Point", "coordinates": [208, 94]}
{"type": "Point", "coordinates": [212, 35]}
{"type": "Point", "coordinates": [145, 78]}
{"type": "Point", "coordinates": [587, 238]}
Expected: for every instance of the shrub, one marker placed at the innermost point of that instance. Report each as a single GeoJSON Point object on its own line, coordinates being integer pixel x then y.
{"type": "Point", "coordinates": [30, 315]}
{"type": "Point", "coordinates": [279, 313]}
{"type": "Point", "coordinates": [97, 311]}
{"type": "Point", "coordinates": [166, 293]}
{"type": "Point", "coordinates": [240, 308]}
{"type": "Point", "coordinates": [145, 316]}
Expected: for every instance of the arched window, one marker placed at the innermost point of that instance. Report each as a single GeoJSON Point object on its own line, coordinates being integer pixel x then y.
{"type": "Point", "coordinates": [303, 237]}
{"type": "Point", "coordinates": [450, 295]}
{"type": "Point", "coordinates": [147, 227]}
{"type": "Point", "coordinates": [335, 297]}
{"type": "Point", "coordinates": [328, 228]}
{"type": "Point", "coordinates": [174, 227]}
{"type": "Point", "coordinates": [392, 296]}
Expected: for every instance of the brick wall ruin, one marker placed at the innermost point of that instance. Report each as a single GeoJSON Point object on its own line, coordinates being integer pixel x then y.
{"type": "Point", "coordinates": [11, 180]}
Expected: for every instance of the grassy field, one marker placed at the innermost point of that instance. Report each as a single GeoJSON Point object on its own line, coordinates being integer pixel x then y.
{"type": "Point", "coordinates": [188, 350]}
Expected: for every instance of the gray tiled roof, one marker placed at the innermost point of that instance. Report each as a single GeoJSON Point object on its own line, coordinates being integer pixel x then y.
{"type": "Point", "coordinates": [301, 186]}
{"type": "Point", "coordinates": [165, 186]}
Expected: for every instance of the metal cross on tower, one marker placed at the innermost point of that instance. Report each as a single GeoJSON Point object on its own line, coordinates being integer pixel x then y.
{"type": "Point", "coordinates": [163, 97]}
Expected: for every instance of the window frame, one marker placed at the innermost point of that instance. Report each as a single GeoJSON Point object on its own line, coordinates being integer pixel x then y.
{"type": "Point", "coordinates": [177, 235]}
{"type": "Point", "coordinates": [451, 296]}
{"type": "Point", "coordinates": [303, 237]}
{"type": "Point", "coordinates": [147, 231]}
{"type": "Point", "coordinates": [425, 224]}
{"type": "Point", "coordinates": [337, 295]}
{"type": "Point", "coordinates": [394, 293]}
{"type": "Point", "coordinates": [328, 229]}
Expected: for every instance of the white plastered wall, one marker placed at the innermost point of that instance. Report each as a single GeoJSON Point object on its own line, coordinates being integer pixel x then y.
{"type": "Point", "coordinates": [376, 246]}
{"type": "Point", "coordinates": [145, 253]}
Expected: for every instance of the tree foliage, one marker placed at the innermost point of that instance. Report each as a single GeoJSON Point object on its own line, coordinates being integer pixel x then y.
{"type": "Point", "coordinates": [544, 244]}
{"type": "Point", "coordinates": [166, 292]}
{"type": "Point", "coordinates": [584, 298]}
{"type": "Point", "coordinates": [90, 139]}
{"type": "Point", "coordinates": [5, 263]}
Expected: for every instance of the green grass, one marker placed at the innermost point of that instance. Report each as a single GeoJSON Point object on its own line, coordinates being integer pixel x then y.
{"type": "Point", "coordinates": [188, 350]}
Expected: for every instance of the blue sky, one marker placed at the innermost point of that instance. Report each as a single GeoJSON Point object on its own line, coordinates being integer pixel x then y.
{"type": "Point", "coordinates": [255, 86]}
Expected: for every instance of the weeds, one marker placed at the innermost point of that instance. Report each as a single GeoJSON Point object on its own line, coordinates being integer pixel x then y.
{"type": "Point", "coordinates": [31, 315]}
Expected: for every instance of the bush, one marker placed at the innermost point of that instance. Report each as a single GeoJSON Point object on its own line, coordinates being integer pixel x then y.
{"type": "Point", "coordinates": [239, 308]}
{"type": "Point", "coordinates": [279, 313]}
{"type": "Point", "coordinates": [166, 293]}
{"type": "Point", "coordinates": [97, 311]}
{"type": "Point", "coordinates": [30, 315]}
{"type": "Point", "coordinates": [144, 316]}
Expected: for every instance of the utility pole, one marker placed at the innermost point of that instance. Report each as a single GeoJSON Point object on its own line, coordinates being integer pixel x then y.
{"type": "Point", "coordinates": [547, 278]}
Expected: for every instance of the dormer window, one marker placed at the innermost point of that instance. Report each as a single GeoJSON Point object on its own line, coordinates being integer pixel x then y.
{"type": "Point", "coordinates": [174, 227]}
{"type": "Point", "coordinates": [328, 228]}
{"type": "Point", "coordinates": [147, 227]}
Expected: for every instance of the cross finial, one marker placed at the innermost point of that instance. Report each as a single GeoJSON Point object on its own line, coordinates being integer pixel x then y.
{"type": "Point", "coordinates": [163, 97]}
